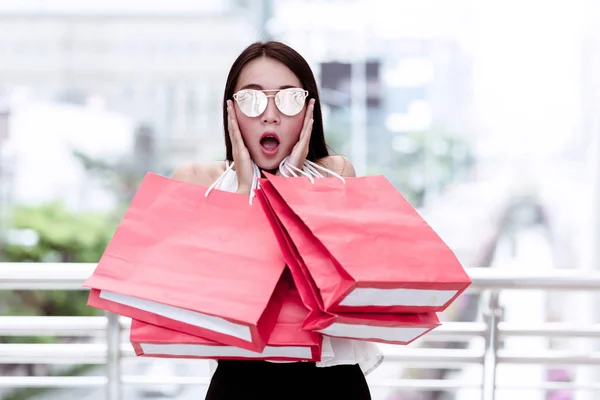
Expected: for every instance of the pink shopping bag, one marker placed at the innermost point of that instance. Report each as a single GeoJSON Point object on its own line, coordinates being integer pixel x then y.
{"type": "Point", "coordinates": [288, 342]}
{"type": "Point", "coordinates": [394, 328]}
{"type": "Point", "coordinates": [366, 248]}
{"type": "Point", "coordinates": [207, 265]}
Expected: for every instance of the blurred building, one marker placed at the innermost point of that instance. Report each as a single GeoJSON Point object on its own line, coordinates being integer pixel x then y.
{"type": "Point", "coordinates": [163, 65]}
{"type": "Point", "coordinates": [6, 172]}
{"type": "Point", "coordinates": [590, 81]}
{"type": "Point", "coordinates": [417, 67]}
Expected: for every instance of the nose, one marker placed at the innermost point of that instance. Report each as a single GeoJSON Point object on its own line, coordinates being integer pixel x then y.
{"type": "Point", "coordinates": [271, 114]}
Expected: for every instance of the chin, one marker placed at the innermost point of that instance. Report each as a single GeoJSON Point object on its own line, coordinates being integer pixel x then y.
{"type": "Point", "coordinates": [268, 165]}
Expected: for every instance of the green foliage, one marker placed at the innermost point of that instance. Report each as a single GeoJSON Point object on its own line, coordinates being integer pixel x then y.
{"type": "Point", "coordinates": [429, 161]}
{"type": "Point", "coordinates": [62, 236]}
{"type": "Point", "coordinates": [418, 162]}
{"type": "Point", "coordinates": [122, 177]}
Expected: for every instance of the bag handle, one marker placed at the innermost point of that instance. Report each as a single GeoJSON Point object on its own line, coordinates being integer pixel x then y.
{"type": "Point", "coordinates": [286, 168]}
{"type": "Point", "coordinates": [313, 170]}
{"type": "Point", "coordinates": [228, 167]}
{"type": "Point", "coordinates": [310, 170]}
{"type": "Point", "coordinates": [255, 182]}
{"type": "Point", "coordinates": [314, 166]}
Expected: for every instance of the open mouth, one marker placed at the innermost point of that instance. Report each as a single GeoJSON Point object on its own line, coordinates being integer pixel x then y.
{"type": "Point", "coordinates": [269, 142]}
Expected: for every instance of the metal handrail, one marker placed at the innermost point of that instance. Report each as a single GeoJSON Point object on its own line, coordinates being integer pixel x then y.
{"type": "Point", "coordinates": [418, 384]}
{"type": "Point", "coordinates": [111, 350]}
{"type": "Point", "coordinates": [70, 276]}
{"type": "Point", "coordinates": [87, 326]}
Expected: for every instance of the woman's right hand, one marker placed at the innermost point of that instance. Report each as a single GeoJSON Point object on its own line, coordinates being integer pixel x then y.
{"type": "Point", "coordinates": [241, 156]}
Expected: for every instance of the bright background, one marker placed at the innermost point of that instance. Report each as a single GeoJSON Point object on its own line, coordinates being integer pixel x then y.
{"type": "Point", "coordinates": [483, 113]}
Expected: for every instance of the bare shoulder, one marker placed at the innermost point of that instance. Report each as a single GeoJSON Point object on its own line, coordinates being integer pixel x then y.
{"type": "Point", "coordinates": [199, 173]}
{"type": "Point", "coordinates": [338, 164]}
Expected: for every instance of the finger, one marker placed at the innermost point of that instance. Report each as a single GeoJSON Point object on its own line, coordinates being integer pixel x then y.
{"type": "Point", "coordinates": [232, 125]}
{"type": "Point", "coordinates": [229, 124]}
{"type": "Point", "coordinates": [229, 117]}
{"type": "Point", "coordinates": [309, 111]}
{"type": "Point", "coordinates": [233, 119]}
{"type": "Point", "coordinates": [308, 133]}
{"type": "Point", "coordinates": [239, 147]}
{"type": "Point", "coordinates": [235, 129]}
{"type": "Point", "coordinates": [307, 130]}
{"type": "Point", "coordinates": [300, 149]}
{"type": "Point", "coordinates": [307, 119]}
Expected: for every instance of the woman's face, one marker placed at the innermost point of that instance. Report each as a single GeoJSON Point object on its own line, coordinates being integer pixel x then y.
{"type": "Point", "coordinates": [272, 135]}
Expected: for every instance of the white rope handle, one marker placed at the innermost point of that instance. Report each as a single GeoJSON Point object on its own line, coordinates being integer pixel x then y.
{"type": "Point", "coordinates": [255, 183]}
{"type": "Point", "coordinates": [310, 170]}
{"type": "Point", "coordinates": [228, 167]}
{"type": "Point", "coordinates": [301, 172]}
{"type": "Point", "coordinates": [284, 171]}
{"type": "Point", "coordinates": [321, 168]}
{"type": "Point", "coordinates": [293, 170]}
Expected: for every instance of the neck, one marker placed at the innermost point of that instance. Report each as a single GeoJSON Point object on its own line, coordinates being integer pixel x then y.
{"type": "Point", "coordinates": [272, 171]}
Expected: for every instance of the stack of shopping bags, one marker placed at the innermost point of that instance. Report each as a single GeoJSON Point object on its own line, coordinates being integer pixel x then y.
{"type": "Point", "coordinates": [207, 274]}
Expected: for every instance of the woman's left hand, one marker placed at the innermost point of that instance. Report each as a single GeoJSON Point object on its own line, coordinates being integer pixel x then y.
{"type": "Point", "coordinates": [300, 150]}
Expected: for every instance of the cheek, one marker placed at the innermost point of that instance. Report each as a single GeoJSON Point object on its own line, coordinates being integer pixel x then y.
{"type": "Point", "coordinates": [295, 127]}
{"type": "Point", "coordinates": [245, 125]}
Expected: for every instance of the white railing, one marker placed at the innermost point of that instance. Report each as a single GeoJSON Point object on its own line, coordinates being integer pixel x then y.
{"type": "Point", "coordinates": [490, 282]}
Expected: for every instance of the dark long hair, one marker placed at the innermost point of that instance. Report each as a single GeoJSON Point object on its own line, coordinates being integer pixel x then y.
{"type": "Point", "coordinates": [298, 65]}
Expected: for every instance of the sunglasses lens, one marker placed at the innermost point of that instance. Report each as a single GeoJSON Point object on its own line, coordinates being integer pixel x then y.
{"type": "Point", "coordinates": [290, 101]}
{"type": "Point", "coordinates": [251, 102]}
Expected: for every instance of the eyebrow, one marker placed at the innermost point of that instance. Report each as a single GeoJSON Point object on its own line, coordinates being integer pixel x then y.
{"type": "Point", "coordinates": [258, 87]}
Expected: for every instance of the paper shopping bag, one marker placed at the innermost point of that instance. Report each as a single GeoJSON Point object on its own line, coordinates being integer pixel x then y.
{"type": "Point", "coordinates": [366, 248]}
{"type": "Point", "coordinates": [287, 342]}
{"type": "Point", "coordinates": [394, 328]}
{"type": "Point", "coordinates": [301, 278]}
{"type": "Point", "coordinates": [391, 328]}
{"type": "Point", "coordinates": [203, 265]}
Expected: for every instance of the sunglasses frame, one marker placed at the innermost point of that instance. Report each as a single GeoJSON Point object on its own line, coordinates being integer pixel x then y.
{"type": "Point", "coordinates": [235, 95]}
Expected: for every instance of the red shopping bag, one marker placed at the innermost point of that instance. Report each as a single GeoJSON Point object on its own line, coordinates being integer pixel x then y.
{"type": "Point", "coordinates": [287, 342]}
{"type": "Point", "coordinates": [394, 328]}
{"type": "Point", "coordinates": [383, 328]}
{"type": "Point", "coordinates": [204, 265]}
{"type": "Point", "coordinates": [366, 248]}
{"type": "Point", "coordinates": [302, 280]}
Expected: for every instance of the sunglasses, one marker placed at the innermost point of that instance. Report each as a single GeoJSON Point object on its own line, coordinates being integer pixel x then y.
{"type": "Point", "coordinates": [254, 102]}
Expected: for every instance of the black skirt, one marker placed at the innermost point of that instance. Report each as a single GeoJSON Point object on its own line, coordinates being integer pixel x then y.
{"type": "Point", "coordinates": [261, 380]}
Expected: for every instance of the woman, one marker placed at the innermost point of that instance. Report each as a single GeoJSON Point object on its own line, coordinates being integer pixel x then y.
{"type": "Point", "coordinates": [271, 111]}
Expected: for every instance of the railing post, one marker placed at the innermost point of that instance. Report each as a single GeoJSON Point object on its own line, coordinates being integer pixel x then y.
{"type": "Point", "coordinates": [492, 315]}
{"type": "Point", "coordinates": [113, 357]}
{"type": "Point", "coordinates": [585, 305]}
